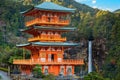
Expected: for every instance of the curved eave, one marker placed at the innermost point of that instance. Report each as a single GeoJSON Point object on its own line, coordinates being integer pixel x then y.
{"type": "Point", "coordinates": [56, 28]}
{"type": "Point", "coordinates": [23, 45]}
{"type": "Point", "coordinates": [62, 29]}
{"type": "Point", "coordinates": [65, 44]}
{"type": "Point", "coordinates": [55, 44]}
{"type": "Point", "coordinates": [50, 28]}
{"type": "Point", "coordinates": [26, 11]}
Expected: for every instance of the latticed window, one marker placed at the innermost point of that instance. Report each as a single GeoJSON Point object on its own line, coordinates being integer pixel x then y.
{"type": "Point", "coordinates": [42, 49]}
{"type": "Point", "coordinates": [58, 49]}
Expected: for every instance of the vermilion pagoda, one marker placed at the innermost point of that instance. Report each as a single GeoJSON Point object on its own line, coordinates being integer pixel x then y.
{"type": "Point", "coordinates": [46, 23]}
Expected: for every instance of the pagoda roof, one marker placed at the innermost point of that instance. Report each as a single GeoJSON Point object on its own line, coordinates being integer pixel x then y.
{"type": "Point", "coordinates": [55, 28]}
{"type": "Point", "coordinates": [48, 28]}
{"type": "Point", "coordinates": [48, 44]}
{"type": "Point", "coordinates": [49, 6]}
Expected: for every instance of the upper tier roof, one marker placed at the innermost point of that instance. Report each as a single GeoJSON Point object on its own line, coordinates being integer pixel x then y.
{"type": "Point", "coordinates": [49, 6]}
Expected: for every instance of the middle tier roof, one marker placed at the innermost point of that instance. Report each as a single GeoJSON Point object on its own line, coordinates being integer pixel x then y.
{"type": "Point", "coordinates": [36, 29]}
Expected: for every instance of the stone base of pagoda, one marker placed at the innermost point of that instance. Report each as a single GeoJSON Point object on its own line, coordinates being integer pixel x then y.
{"type": "Point", "coordinates": [64, 70]}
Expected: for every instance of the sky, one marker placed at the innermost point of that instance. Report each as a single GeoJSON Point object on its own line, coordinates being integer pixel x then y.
{"type": "Point", "coordinates": [110, 5]}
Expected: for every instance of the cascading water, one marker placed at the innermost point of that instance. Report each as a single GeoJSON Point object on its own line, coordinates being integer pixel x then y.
{"type": "Point", "coordinates": [89, 56]}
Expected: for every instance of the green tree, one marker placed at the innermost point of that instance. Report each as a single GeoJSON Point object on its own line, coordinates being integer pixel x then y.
{"type": "Point", "coordinates": [37, 71]}
{"type": "Point", "coordinates": [94, 76]}
{"type": "Point", "coordinates": [49, 77]}
{"type": "Point", "coordinates": [112, 69]}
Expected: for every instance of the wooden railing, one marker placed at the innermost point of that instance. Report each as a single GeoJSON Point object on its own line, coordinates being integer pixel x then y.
{"type": "Point", "coordinates": [51, 52]}
{"type": "Point", "coordinates": [45, 22]}
{"type": "Point", "coordinates": [47, 39]}
{"type": "Point", "coordinates": [34, 39]}
{"type": "Point", "coordinates": [37, 61]}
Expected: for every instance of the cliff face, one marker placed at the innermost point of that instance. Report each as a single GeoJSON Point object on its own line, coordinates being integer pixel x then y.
{"type": "Point", "coordinates": [99, 52]}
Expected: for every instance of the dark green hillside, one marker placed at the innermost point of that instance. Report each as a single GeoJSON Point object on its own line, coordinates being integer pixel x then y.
{"type": "Point", "coordinates": [117, 11]}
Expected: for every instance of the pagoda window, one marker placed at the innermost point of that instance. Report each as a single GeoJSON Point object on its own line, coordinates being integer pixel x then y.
{"type": "Point", "coordinates": [36, 15]}
{"type": "Point", "coordinates": [42, 49]}
{"type": "Point", "coordinates": [53, 49]}
{"type": "Point", "coordinates": [68, 17]}
{"type": "Point", "coordinates": [58, 49]}
{"type": "Point", "coordinates": [52, 18]}
{"type": "Point", "coordinates": [49, 19]}
{"type": "Point", "coordinates": [44, 17]}
{"type": "Point", "coordinates": [52, 57]}
{"type": "Point", "coordinates": [48, 34]}
{"type": "Point", "coordinates": [56, 17]}
{"type": "Point", "coordinates": [62, 17]}
{"type": "Point", "coordinates": [48, 49]}
{"type": "Point", "coordinates": [48, 14]}
{"type": "Point", "coordinates": [57, 35]}
{"type": "Point", "coordinates": [46, 71]}
{"type": "Point", "coordinates": [43, 33]}
{"type": "Point", "coordinates": [69, 71]}
{"type": "Point", "coordinates": [51, 35]}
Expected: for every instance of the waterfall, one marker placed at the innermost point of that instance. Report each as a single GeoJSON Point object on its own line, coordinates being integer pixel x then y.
{"type": "Point", "coordinates": [89, 56]}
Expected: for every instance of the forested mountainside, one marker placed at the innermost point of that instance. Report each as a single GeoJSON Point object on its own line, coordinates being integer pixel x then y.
{"type": "Point", "coordinates": [117, 11]}
{"type": "Point", "coordinates": [105, 27]}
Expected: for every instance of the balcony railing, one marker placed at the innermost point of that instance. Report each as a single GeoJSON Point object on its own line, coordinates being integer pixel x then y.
{"type": "Point", "coordinates": [37, 61]}
{"type": "Point", "coordinates": [47, 39]}
{"type": "Point", "coordinates": [46, 22]}
{"type": "Point", "coordinates": [51, 52]}
{"type": "Point", "coordinates": [34, 39]}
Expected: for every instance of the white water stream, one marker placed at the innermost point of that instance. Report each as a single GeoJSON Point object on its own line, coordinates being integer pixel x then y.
{"type": "Point", "coordinates": [4, 76]}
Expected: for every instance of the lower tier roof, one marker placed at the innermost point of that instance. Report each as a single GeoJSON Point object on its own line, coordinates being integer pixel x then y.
{"type": "Point", "coordinates": [48, 44]}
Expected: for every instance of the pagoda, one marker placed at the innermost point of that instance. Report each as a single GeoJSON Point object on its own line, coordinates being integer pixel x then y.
{"type": "Point", "coordinates": [46, 23]}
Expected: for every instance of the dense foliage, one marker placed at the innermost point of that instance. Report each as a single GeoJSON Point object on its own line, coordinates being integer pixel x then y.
{"type": "Point", "coordinates": [37, 72]}
{"type": "Point", "coordinates": [104, 24]}
{"type": "Point", "coordinates": [0, 77]}
{"type": "Point", "coordinates": [95, 76]}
